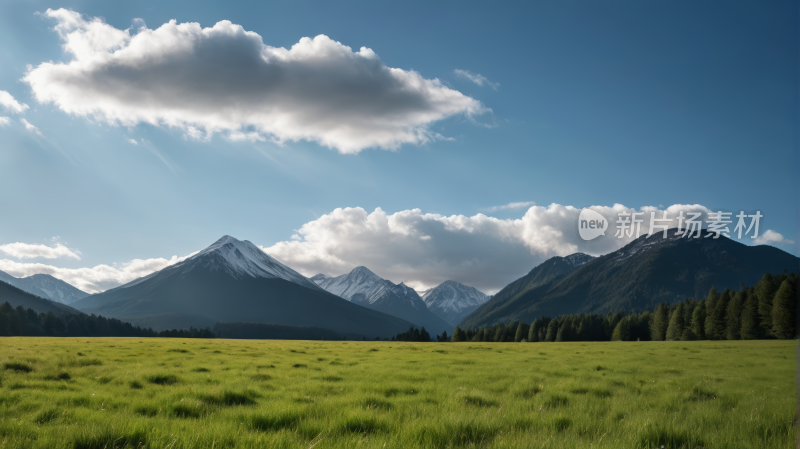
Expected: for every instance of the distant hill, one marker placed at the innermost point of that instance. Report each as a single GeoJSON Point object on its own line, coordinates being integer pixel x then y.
{"type": "Point", "coordinates": [18, 297]}
{"type": "Point", "coordinates": [233, 280]}
{"type": "Point", "coordinates": [634, 278]}
{"type": "Point", "coordinates": [452, 301]}
{"type": "Point", "coordinates": [365, 288]}
{"type": "Point", "coordinates": [45, 286]}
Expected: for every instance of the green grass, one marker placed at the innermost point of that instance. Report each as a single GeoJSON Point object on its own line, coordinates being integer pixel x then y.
{"type": "Point", "coordinates": [164, 393]}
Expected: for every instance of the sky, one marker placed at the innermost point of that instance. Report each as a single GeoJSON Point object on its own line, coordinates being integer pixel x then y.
{"type": "Point", "coordinates": [454, 140]}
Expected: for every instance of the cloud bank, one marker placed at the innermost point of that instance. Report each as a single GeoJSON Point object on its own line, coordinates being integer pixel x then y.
{"type": "Point", "coordinates": [30, 251]}
{"type": "Point", "coordinates": [95, 279]}
{"type": "Point", "coordinates": [424, 250]}
{"type": "Point", "coordinates": [224, 79]}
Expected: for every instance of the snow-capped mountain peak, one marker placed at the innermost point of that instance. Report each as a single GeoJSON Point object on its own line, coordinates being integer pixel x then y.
{"type": "Point", "coordinates": [242, 258]}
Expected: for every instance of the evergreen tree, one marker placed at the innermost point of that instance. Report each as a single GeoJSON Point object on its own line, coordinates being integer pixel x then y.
{"type": "Point", "coordinates": [711, 306]}
{"type": "Point", "coordinates": [676, 324]}
{"type": "Point", "coordinates": [563, 332]}
{"type": "Point", "coordinates": [751, 321]}
{"type": "Point", "coordinates": [552, 330]}
{"type": "Point", "coordinates": [784, 310]}
{"type": "Point", "coordinates": [733, 320]}
{"type": "Point", "coordinates": [658, 329]}
{"type": "Point", "coordinates": [765, 291]}
{"type": "Point", "coordinates": [715, 322]}
{"type": "Point", "coordinates": [522, 332]}
{"type": "Point", "coordinates": [458, 335]}
{"type": "Point", "coordinates": [622, 332]}
{"type": "Point", "coordinates": [699, 320]}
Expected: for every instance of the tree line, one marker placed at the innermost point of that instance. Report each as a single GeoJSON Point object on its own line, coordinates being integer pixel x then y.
{"type": "Point", "coordinates": [764, 311]}
{"type": "Point", "coordinates": [26, 322]}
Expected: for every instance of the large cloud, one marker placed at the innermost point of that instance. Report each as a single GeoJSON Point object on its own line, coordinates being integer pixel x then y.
{"type": "Point", "coordinates": [224, 79]}
{"type": "Point", "coordinates": [95, 279]}
{"type": "Point", "coordinates": [424, 250]}
{"type": "Point", "coordinates": [30, 251]}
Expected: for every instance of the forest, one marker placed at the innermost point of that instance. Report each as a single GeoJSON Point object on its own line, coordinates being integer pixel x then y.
{"type": "Point", "coordinates": [767, 310]}
{"type": "Point", "coordinates": [22, 322]}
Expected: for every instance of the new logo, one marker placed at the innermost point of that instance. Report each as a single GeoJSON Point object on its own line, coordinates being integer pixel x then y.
{"type": "Point", "coordinates": [591, 224]}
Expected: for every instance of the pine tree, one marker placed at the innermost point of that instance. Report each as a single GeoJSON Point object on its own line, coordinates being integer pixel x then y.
{"type": "Point", "coordinates": [715, 322]}
{"type": "Point", "coordinates": [658, 329]}
{"type": "Point", "coordinates": [784, 310]}
{"type": "Point", "coordinates": [564, 332]}
{"type": "Point", "coordinates": [676, 324]}
{"type": "Point", "coordinates": [765, 291]}
{"type": "Point", "coordinates": [622, 332]}
{"type": "Point", "coordinates": [458, 335]}
{"type": "Point", "coordinates": [751, 321]}
{"type": "Point", "coordinates": [733, 319]}
{"type": "Point", "coordinates": [552, 330]}
{"type": "Point", "coordinates": [522, 332]}
{"type": "Point", "coordinates": [711, 306]}
{"type": "Point", "coordinates": [533, 331]}
{"type": "Point", "coordinates": [699, 320]}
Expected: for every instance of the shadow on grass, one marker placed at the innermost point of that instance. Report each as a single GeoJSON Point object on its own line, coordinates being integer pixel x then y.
{"type": "Point", "coordinates": [110, 440]}
{"type": "Point", "coordinates": [673, 439]}
{"type": "Point", "coordinates": [162, 379]}
{"type": "Point", "coordinates": [230, 398]}
{"type": "Point", "coordinates": [18, 367]}
{"type": "Point", "coordinates": [457, 435]}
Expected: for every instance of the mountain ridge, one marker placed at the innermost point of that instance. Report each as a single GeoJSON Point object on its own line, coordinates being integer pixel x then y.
{"type": "Point", "coordinates": [634, 278]}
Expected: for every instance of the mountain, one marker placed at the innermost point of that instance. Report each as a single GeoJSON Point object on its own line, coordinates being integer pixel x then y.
{"type": "Point", "coordinates": [452, 301]}
{"type": "Point", "coordinates": [45, 286]}
{"type": "Point", "coordinates": [18, 297]}
{"type": "Point", "coordinates": [363, 287]}
{"type": "Point", "coordinates": [634, 278]}
{"type": "Point", "coordinates": [235, 281]}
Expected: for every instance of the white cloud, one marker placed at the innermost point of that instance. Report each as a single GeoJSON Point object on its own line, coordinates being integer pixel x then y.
{"type": "Point", "coordinates": [8, 102]}
{"type": "Point", "coordinates": [132, 141]}
{"type": "Point", "coordinates": [476, 78]}
{"type": "Point", "coordinates": [4, 121]}
{"type": "Point", "coordinates": [30, 251]}
{"type": "Point", "coordinates": [424, 250]}
{"type": "Point", "coordinates": [771, 237]}
{"type": "Point", "coordinates": [511, 206]}
{"type": "Point", "coordinates": [224, 79]}
{"type": "Point", "coordinates": [30, 127]}
{"type": "Point", "coordinates": [95, 279]}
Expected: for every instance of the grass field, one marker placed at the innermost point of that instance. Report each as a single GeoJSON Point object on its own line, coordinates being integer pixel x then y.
{"type": "Point", "coordinates": [184, 393]}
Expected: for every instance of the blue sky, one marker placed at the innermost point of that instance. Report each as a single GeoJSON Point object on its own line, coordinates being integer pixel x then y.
{"type": "Point", "coordinates": [595, 103]}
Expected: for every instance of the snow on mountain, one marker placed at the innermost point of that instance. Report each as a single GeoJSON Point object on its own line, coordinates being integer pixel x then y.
{"type": "Point", "coordinates": [453, 296]}
{"type": "Point", "coordinates": [578, 259]}
{"type": "Point", "coordinates": [363, 287]}
{"type": "Point", "coordinates": [452, 301]}
{"type": "Point", "coordinates": [317, 278]}
{"type": "Point", "coordinates": [241, 258]}
{"type": "Point", "coordinates": [45, 286]}
{"type": "Point", "coordinates": [359, 285]}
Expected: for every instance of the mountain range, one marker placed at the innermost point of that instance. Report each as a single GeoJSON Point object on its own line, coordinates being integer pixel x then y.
{"type": "Point", "coordinates": [636, 277]}
{"type": "Point", "coordinates": [45, 286]}
{"type": "Point", "coordinates": [235, 281]}
{"type": "Point", "coordinates": [365, 288]}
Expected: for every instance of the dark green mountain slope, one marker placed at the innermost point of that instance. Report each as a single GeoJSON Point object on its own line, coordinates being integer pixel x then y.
{"type": "Point", "coordinates": [18, 297]}
{"type": "Point", "coordinates": [635, 278]}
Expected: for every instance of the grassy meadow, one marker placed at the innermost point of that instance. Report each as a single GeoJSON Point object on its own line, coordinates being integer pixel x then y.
{"type": "Point", "coordinates": [191, 393]}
